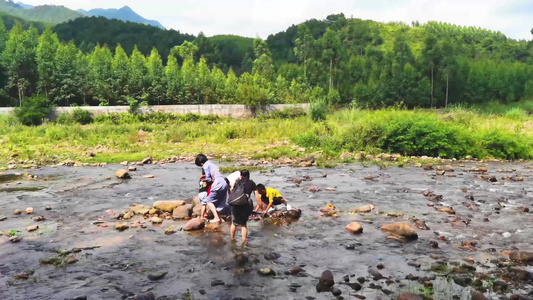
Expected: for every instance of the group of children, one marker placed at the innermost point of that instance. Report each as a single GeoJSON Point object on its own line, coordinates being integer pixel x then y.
{"type": "Point", "coordinates": [220, 194]}
{"type": "Point", "coordinates": [266, 197]}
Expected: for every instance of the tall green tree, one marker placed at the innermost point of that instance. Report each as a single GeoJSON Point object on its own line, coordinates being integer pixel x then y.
{"type": "Point", "coordinates": [19, 62]}
{"type": "Point", "coordinates": [186, 50]}
{"type": "Point", "coordinates": [138, 78]}
{"type": "Point", "coordinates": [66, 79]}
{"type": "Point", "coordinates": [449, 64]}
{"type": "Point", "coordinates": [331, 47]}
{"type": "Point", "coordinates": [263, 63]}
{"type": "Point", "coordinates": [46, 55]}
{"type": "Point", "coordinates": [172, 76]}
{"type": "Point", "coordinates": [230, 88]}
{"type": "Point", "coordinates": [121, 74]}
{"type": "Point", "coordinates": [101, 74]}
{"type": "Point", "coordinates": [304, 46]}
{"type": "Point", "coordinates": [4, 36]}
{"type": "Point", "coordinates": [156, 78]}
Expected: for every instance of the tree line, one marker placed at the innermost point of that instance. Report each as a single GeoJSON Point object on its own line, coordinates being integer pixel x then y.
{"type": "Point", "coordinates": [339, 60]}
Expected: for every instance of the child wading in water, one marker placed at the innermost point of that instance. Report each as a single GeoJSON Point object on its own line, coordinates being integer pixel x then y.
{"type": "Point", "coordinates": [268, 197]}
{"type": "Point", "coordinates": [203, 189]}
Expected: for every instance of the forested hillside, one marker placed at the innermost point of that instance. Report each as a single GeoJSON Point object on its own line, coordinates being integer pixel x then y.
{"type": "Point", "coordinates": [87, 32]}
{"type": "Point", "coordinates": [338, 60]}
{"type": "Point", "coordinates": [44, 13]}
{"type": "Point", "coordinates": [10, 20]}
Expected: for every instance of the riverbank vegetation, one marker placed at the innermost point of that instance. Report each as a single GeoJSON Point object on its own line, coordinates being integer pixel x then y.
{"type": "Point", "coordinates": [454, 133]}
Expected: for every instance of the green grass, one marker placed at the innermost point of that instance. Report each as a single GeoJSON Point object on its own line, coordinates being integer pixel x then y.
{"type": "Point", "coordinates": [455, 133]}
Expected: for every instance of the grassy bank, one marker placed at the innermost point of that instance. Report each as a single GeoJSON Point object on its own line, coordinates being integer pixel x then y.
{"type": "Point", "coordinates": [455, 133]}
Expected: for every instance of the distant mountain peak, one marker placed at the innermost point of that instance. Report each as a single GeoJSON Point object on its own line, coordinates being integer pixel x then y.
{"type": "Point", "coordinates": [125, 13]}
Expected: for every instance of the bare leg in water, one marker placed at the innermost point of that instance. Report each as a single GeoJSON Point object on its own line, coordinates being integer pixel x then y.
{"type": "Point", "coordinates": [232, 231]}
{"type": "Point", "coordinates": [244, 232]}
{"type": "Point", "coordinates": [214, 211]}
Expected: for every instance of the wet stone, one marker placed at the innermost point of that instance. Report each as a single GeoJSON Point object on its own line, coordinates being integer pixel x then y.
{"type": "Point", "coordinates": [354, 285]}
{"type": "Point", "coordinates": [326, 282]}
{"type": "Point", "coordinates": [336, 292]}
{"type": "Point", "coordinates": [145, 296]}
{"type": "Point", "coordinates": [463, 281]}
{"type": "Point", "coordinates": [32, 228]}
{"type": "Point", "coordinates": [478, 296]}
{"type": "Point", "coordinates": [15, 239]}
{"type": "Point", "coordinates": [266, 272]}
{"type": "Point", "coordinates": [217, 282]}
{"type": "Point", "coordinates": [409, 296]}
{"type": "Point", "coordinates": [71, 260]}
{"type": "Point", "coordinates": [157, 275]}
{"type": "Point", "coordinates": [375, 274]}
{"type": "Point", "coordinates": [361, 279]}
{"type": "Point", "coordinates": [272, 256]}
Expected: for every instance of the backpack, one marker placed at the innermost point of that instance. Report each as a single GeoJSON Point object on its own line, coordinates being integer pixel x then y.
{"type": "Point", "coordinates": [238, 196]}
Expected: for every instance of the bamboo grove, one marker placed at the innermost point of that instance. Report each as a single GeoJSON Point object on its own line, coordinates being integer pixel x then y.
{"type": "Point", "coordinates": [343, 61]}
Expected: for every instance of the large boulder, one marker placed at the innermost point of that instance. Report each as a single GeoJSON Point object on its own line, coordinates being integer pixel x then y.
{"type": "Point", "coordinates": [402, 229]}
{"type": "Point", "coordinates": [195, 201]}
{"type": "Point", "coordinates": [522, 256]}
{"type": "Point", "coordinates": [197, 210]}
{"type": "Point", "coordinates": [354, 228]}
{"type": "Point", "coordinates": [182, 212]}
{"type": "Point", "coordinates": [326, 282]}
{"type": "Point", "coordinates": [168, 206]}
{"type": "Point", "coordinates": [122, 174]}
{"type": "Point", "coordinates": [194, 224]}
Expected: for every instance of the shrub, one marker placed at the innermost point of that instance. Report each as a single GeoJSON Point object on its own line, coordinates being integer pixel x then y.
{"type": "Point", "coordinates": [287, 113]}
{"type": "Point", "coordinates": [505, 145]}
{"type": "Point", "coordinates": [80, 116]}
{"type": "Point", "coordinates": [307, 140]}
{"type": "Point", "coordinates": [318, 110]}
{"type": "Point", "coordinates": [410, 134]}
{"type": "Point", "coordinates": [33, 111]}
{"type": "Point", "coordinates": [134, 105]}
{"type": "Point", "coordinates": [65, 119]}
{"type": "Point", "coordinates": [516, 113]}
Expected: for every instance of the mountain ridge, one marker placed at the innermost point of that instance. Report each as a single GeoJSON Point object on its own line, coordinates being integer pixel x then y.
{"type": "Point", "coordinates": [124, 13]}
{"type": "Point", "coordinates": [56, 14]}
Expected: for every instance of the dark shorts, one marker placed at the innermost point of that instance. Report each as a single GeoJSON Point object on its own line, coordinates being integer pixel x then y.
{"type": "Point", "coordinates": [276, 201]}
{"type": "Point", "coordinates": [240, 214]}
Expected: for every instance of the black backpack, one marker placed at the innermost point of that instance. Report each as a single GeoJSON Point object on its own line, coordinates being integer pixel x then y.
{"type": "Point", "coordinates": [238, 196]}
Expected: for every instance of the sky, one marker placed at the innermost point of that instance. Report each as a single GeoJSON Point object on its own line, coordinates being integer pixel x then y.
{"type": "Point", "coordinates": [261, 18]}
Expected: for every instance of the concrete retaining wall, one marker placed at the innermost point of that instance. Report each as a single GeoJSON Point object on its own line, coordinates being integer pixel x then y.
{"type": "Point", "coordinates": [224, 110]}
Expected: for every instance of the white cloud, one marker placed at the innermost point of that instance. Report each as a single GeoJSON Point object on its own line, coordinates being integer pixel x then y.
{"type": "Point", "coordinates": [264, 17]}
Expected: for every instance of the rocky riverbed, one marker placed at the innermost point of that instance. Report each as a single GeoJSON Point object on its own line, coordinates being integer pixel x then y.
{"type": "Point", "coordinates": [472, 224]}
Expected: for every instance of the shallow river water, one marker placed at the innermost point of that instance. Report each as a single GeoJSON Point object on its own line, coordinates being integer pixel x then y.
{"type": "Point", "coordinates": [211, 267]}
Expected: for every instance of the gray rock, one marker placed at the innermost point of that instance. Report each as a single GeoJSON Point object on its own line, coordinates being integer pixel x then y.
{"type": "Point", "coordinates": [145, 296]}
{"type": "Point", "coordinates": [326, 282]}
{"type": "Point", "coordinates": [375, 274]}
{"type": "Point", "coordinates": [157, 275]}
